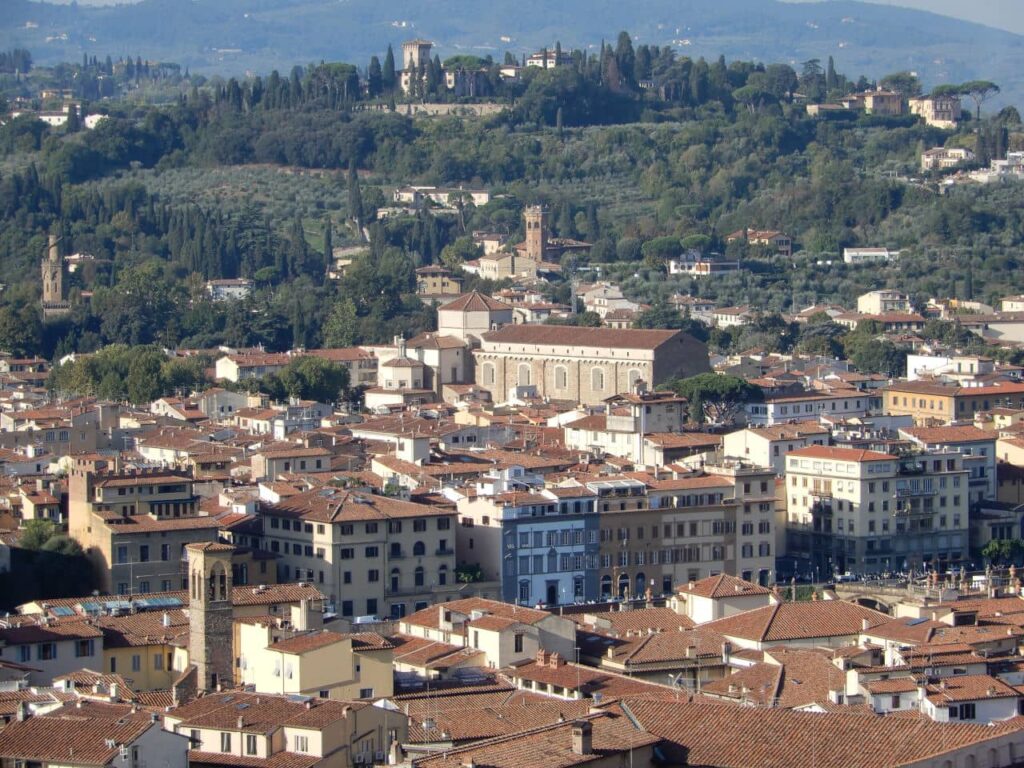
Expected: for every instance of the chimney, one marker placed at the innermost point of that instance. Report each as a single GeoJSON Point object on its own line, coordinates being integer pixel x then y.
{"type": "Point", "coordinates": [114, 691]}
{"type": "Point", "coordinates": [22, 711]}
{"type": "Point", "coordinates": [582, 738]}
{"type": "Point", "coordinates": [241, 721]}
{"type": "Point", "coordinates": [166, 620]}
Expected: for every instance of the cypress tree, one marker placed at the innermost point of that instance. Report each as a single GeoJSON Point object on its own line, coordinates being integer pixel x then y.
{"type": "Point", "coordinates": [388, 75]}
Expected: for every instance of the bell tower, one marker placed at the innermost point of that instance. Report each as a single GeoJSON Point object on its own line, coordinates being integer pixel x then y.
{"type": "Point", "coordinates": [53, 280]}
{"type": "Point", "coordinates": [210, 614]}
{"type": "Point", "coordinates": [535, 220]}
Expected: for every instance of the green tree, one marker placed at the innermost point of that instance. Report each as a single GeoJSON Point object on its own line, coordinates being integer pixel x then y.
{"type": "Point", "coordinates": [374, 78]}
{"type": "Point", "coordinates": [906, 84]}
{"type": "Point", "coordinates": [388, 78]}
{"type": "Point", "coordinates": [716, 398]}
{"type": "Point", "coordinates": [342, 326]}
{"type": "Point", "coordinates": [1003, 551]}
{"type": "Point", "coordinates": [979, 91]}
{"type": "Point", "coordinates": [143, 381]}
{"type": "Point", "coordinates": [313, 378]}
{"type": "Point", "coordinates": [37, 533]}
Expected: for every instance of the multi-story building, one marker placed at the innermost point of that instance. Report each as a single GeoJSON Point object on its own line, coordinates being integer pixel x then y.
{"type": "Point", "coordinates": [371, 555]}
{"type": "Point", "coordinates": [769, 446]}
{"type": "Point", "coordinates": [866, 511]}
{"type": "Point", "coordinates": [882, 302]}
{"type": "Point", "coordinates": [541, 547]}
{"type": "Point", "coordinates": [939, 111]}
{"type": "Point", "coordinates": [978, 448]}
{"type": "Point", "coordinates": [782, 409]}
{"type": "Point", "coordinates": [588, 365]}
{"type": "Point", "coordinates": [944, 158]}
{"type": "Point", "coordinates": [134, 525]}
{"type": "Point", "coordinates": [260, 729]}
{"type": "Point", "coordinates": [929, 403]}
{"type": "Point", "coordinates": [658, 532]}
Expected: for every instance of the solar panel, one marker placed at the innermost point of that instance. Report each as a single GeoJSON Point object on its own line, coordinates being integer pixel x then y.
{"type": "Point", "coordinates": [915, 622]}
{"type": "Point", "coordinates": [91, 607]}
{"type": "Point", "coordinates": [62, 610]}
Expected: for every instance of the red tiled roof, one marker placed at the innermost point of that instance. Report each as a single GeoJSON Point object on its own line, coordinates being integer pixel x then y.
{"type": "Point", "coordinates": [839, 454]}
{"type": "Point", "coordinates": [553, 335]}
{"type": "Point", "coordinates": [795, 621]}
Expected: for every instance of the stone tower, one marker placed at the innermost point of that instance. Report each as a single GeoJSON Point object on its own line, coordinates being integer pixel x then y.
{"type": "Point", "coordinates": [415, 53]}
{"type": "Point", "coordinates": [535, 218]}
{"type": "Point", "coordinates": [53, 281]}
{"type": "Point", "coordinates": [210, 614]}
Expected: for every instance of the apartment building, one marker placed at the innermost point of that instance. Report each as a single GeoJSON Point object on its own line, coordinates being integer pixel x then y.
{"type": "Point", "coordinates": [930, 403]}
{"type": "Point", "coordinates": [540, 546]}
{"type": "Point", "coordinates": [655, 532]}
{"type": "Point", "coordinates": [803, 406]}
{"type": "Point", "coordinates": [242, 729]}
{"type": "Point", "coordinates": [371, 555]}
{"type": "Point", "coordinates": [865, 511]}
{"type": "Point", "coordinates": [883, 302]}
{"type": "Point", "coordinates": [134, 525]}
{"type": "Point", "coordinates": [977, 446]}
{"type": "Point", "coordinates": [769, 446]}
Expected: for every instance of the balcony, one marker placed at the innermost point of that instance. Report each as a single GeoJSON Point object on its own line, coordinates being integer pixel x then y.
{"type": "Point", "coordinates": [446, 552]}
{"type": "Point", "coordinates": [907, 493]}
{"type": "Point", "coordinates": [907, 511]}
{"type": "Point", "coordinates": [820, 493]}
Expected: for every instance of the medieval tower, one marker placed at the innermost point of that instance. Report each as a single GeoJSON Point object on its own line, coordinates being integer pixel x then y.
{"type": "Point", "coordinates": [210, 614]}
{"type": "Point", "coordinates": [535, 219]}
{"type": "Point", "coordinates": [54, 303]}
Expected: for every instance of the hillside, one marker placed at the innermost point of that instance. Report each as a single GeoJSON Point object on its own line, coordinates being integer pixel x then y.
{"type": "Point", "coordinates": [233, 36]}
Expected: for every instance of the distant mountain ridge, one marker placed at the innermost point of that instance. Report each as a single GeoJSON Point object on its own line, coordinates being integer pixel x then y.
{"type": "Point", "coordinates": [235, 36]}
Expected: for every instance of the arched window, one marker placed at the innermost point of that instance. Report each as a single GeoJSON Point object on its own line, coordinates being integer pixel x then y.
{"type": "Point", "coordinates": [442, 575]}
{"type": "Point", "coordinates": [597, 379]}
{"type": "Point", "coordinates": [419, 575]}
{"type": "Point", "coordinates": [561, 377]}
{"type": "Point", "coordinates": [623, 584]}
{"type": "Point", "coordinates": [524, 374]}
{"type": "Point", "coordinates": [418, 549]}
{"type": "Point", "coordinates": [488, 373]}
{"type": "Point", "coordinates": [606, 586]}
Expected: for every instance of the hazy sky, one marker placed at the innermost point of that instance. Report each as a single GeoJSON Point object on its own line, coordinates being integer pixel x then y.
{"type": "Point", "coordinates": [1006, 14]}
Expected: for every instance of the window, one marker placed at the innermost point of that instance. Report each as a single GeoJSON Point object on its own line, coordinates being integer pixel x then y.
{"type": "Point", "coordinates": [301, 744]}
{"type": "Point", "coordinates": [968, 711]}
{"type": "Point", "coordinates": [488, 373]}
{"type": "Point", "coordinates": [346, 577]}
{"type": "Point", "coordinates": [373, 575]}
{"type": "Point", "coordinates": [122, 553]}
{"type": "Point", "coordinates": [524, 374]}
{"type": "Point", "coordinates": [518, 639]}
{"type": "Point", "coordinates": [144, 553]}
{"type": "Point", "coordinates": [419, 549]}
{"type": "Point", "coordinates": [561, 377]}
{"type": "Point", "coordinates": [597, 379]}
{"type": "Point", "coordinates": [250, 744]}
{"type": "Point", "coordinates": [83, 648]}
{"type": "Point", "coordinates": [136, 662]}
{"type": "Point", "coordinates": [366, 693]}
{"type": "Point", "coordinates": [419, 525]}
{"type": "Point", "coordinates": [158, 662]}
{"type": "Point", "coordinates": [372, 552]}
{"type": "Point", "coordinates": [371, 527]}
{"type": "Point", "coordinates": [25, 654]}
{"type": "Point", "coordinates": [46, 651]}
{"type": "Point", "coordinates": [444, 523]}
{"type": "Point", "coordinates": [225, 741]}
{"type": "Point", "coordinates": [346, 608]}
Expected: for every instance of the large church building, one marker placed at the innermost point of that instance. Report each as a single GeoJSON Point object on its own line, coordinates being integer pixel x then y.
{"type": "Point", "coordinates": [583, 364]}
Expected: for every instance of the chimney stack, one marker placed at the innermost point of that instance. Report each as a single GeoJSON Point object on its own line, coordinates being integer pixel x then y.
{"type": "Point", "coordinates": [582, 738]}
